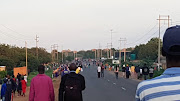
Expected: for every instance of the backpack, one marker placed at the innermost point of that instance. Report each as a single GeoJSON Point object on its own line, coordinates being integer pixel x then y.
{"type": "Point", "coordinates": [72, 87]}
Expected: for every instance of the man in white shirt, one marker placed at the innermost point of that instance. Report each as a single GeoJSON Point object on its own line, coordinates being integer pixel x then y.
{"type": "Point", "coordinates": [99, 71]}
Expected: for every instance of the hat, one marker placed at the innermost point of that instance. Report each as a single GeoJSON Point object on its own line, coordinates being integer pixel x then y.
{"type": "Point", "coordinates": [171, 41]}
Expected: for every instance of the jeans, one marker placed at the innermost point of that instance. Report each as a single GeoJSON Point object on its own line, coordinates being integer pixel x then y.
{"type": "Point", "coordinates": [116, 73]}
{"type": "Point", "coordinates": [102, 73]}
{"type": "Point", "coordinates": [145, 77]}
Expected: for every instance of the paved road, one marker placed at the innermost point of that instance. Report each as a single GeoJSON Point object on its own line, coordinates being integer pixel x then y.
{"type": "Point", "coordinates": [107, 88]}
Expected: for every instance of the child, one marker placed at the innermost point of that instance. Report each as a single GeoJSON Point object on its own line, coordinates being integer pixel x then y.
{"type": "Point", "coordinates": [23, 82]}
{"type": "Point", "coordinates": [3, 90]}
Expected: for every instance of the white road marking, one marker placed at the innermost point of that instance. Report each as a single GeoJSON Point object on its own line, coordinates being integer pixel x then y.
{"type": "Point", "coordinates": [114, 83]}
{"type": "Point", "coordinates": [123, 88]}
{"type": "Point", "coordinates": [108, 80]}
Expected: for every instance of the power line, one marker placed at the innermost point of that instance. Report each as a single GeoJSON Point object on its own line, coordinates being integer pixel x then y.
{"type": "Point", "coordinates": [151, 36]}
{"type": "Point", "coordinates": [143, 35]}
{"type": "Point", "coordinates": [15, 32]}
{"type": "Point", "coordinates": [135, 42]}
{"type": "Point", "coordinates": [10, 36]}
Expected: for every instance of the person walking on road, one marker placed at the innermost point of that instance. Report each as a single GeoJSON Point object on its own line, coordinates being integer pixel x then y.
{"type": "Point", "coordinates": [99, 71]}
{"type": "Point", "coordinates": [14, 79]}
{"type": "Point", "coordinates": [116, 71]}
{"type": "Point", "coordinates": [151, 72]}
{"type": "Point", "coordinates": [124, 70]}
{"type": "Point", "coordinates": [71, 86]}
{"type": "Point", "coordinates": [25, 78]}
{"type": "Point", "coordinates": [132, 71]}
{"type": "Point", "coordinates": [10, 86]}
{"type": "Point", "coordinates": [89, 66]}
{"type": "Point", "coordinates": [166, 86]}
{"type": "Point", "coordinates": [145, 71]}
{"type": "Point", "coordinates": [137, 70]}
{"type": "Point", "coordinates": [3, 90]}
{"type": "Point", "coordinates": [65, 71]}
{"type": "Point", "coordinates": [128, 73]}
{"type": "Point", "coordinates": [19, 87]}
{"type": "Point", "coordinates": [23, 82]}
{"type": "Point", "coordinates": [102, 70]}
{"type": "Point", "coordinates": [41, 88]}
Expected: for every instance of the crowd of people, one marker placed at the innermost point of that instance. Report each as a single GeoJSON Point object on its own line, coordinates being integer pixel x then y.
{"type": "Point", "coordinates": [71, 86]}
{"type": "Point", "coordinates": [11, 84]}
{"type": "Point", "coordinates": [135, 72]}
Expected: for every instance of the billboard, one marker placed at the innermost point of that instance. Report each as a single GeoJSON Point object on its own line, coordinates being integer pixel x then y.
{"type": "Point", "coordinates": [2, 68]}
{"type": "Point", "coordinates": [115, 62]}
{"type": "Point", "coordinates": [20, 70]}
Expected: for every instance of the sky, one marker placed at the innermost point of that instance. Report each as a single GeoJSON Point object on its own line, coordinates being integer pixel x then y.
{"type": "Point", "coordinates": [84, 24]}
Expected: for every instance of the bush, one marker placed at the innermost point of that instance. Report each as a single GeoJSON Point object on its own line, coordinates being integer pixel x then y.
{"type": "Point", "coordinates": [3, 74]}
{"type": "Point", "coordinates": [158, 73]}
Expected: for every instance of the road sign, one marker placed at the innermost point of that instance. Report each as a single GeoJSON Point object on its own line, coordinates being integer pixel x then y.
{"type": "Point", "coordinates": [115, 62]}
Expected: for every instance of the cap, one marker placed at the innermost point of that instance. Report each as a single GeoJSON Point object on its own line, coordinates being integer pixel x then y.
{"type": "Point", "coordinates": [171, 41]}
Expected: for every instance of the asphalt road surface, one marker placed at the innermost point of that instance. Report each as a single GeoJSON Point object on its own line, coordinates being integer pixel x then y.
{"type": "Point", "coordinates": [107, 88]}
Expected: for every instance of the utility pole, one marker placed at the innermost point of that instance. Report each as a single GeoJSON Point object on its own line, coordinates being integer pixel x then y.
{"type": "Point", "coordinates": [74, 55]}
{"type": "Point", "coordinates": [101, 52]}
{"type": "Point", "coordinates": [159, 44]}
{"type": "Point", "coordinates": [57, 53]}
{"type": "Point", "coordinates": [37, 45]}
{"type": "Point", "coordinates": [26, 59]}
{"type": "Point", "coordinates": [95, 54]}
{"type": "Point", "coordinates": [62, 53]}
{"type": "Point", "coordinates": [107, 51]}
{"type": "Point", "coordinates": [54, 52]}
{"type": "Point", "coordinates": [125, 50]}
{"type": "Point", "coordinates": [111, 44]}
{"type": "Point", "coordinates": [121, 39]}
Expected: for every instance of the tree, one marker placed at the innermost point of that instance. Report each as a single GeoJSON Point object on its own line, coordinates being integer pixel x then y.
{"type": "Point", "coordinates": [69, 58]}
{"type": "Point", "coordinates": [147, 51]}
{"type": "Point", "coordinates": [12, 56]}
{"type": "Point", "coordinates": [9, 63]}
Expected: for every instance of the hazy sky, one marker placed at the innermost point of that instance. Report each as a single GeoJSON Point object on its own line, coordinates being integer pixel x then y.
{"type": "Point", "coordinates": [83, 24]}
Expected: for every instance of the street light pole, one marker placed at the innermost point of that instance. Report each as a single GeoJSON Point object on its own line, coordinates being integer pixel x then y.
{"type": "Point", "coordinates": [111, 44]}
{"type": "Point", "coordinates": [26, 59]}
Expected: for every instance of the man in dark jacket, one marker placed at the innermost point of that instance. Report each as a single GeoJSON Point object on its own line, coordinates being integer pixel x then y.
{"type": "Point", "coordinates": [10, 86]}
{"type": "Point", "coordinates": [137, 70]}
{"type": "Point", "coordinates": [71, 86]}
{"type": "Point", "coordinates": [145, 71]}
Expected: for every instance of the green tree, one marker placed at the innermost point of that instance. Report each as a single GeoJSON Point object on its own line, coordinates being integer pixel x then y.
{"type": "Point", "coordinates": [147, 51]}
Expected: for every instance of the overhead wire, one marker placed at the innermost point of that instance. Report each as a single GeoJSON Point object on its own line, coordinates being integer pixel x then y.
{"type": "Point", "coordinates": [142, 36]}
{"type": "Point", "coordinates": [12, 30]}
{"type": "Point", "coordinates": [139, 39]}
{"type": "Point", "coordinates": [153, 35]}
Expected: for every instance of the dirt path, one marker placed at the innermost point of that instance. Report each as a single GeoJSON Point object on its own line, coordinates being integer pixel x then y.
{"type": "Point", "coordinates": [56, 82]}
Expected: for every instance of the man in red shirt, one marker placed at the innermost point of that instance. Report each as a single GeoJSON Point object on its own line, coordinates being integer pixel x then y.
{"type": "Point", "coordinates": [41, 88]}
